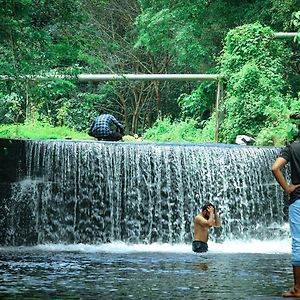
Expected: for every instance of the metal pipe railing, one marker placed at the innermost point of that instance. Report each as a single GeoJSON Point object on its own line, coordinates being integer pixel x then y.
{"type": "Point", "coordinates": [285, 35]}
{"type": "Point", "coordinates": [103, 77]}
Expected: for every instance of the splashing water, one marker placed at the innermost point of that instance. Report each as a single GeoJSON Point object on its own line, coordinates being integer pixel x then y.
{"type": "Point", "coordinates": [100, 192]}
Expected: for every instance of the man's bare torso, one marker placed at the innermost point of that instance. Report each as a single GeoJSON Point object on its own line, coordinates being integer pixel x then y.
{"type": "Point", "coordinates": [200, 231]}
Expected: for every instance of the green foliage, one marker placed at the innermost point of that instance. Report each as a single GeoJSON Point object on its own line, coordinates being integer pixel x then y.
{"type": "Point", "coordinates": [273, 136]}
{"type": "Point", "coordinates": [209, 130]}
{"type": "Point", "coordinates": [78, 112]}
{"type": "Point", "coordinates": [295, 104]}
{"type": "Point", "coordinates": [34, 129]}
{"type": "Point", "coordinates": [157, 34]}
{"type": "Point", "coordinates": [47, 37]}
{"type": "Point", "coordinates": [296, 23]}
{"type": "Point", "coordinates": [197, 105]}
{"type": "Point", "coordinates": [35, 36]}
{"type": "Point", "coordinates": [39, 38]}
{"type": "Point", "coordinates": [192, 31]}
{"type": "Point", "coordinates": [283, 14]}
{"type": "Point", "coordinates": [253, 64]}
{"type": "Point", "coordinates": [256, 66]}
{"type": "Point", "coordinates": [296, 20]}
{"type": "Point", "coordinates": [10, 108]}
{"type": "Point", "coordinates": [164, 130]}
{"type": "Point", "coordinates": [178, 28]}
{"type": "Point", "coordinates": [47, 95]}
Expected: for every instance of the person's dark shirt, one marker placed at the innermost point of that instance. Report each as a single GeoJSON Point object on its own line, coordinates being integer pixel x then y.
{"type": "Point", "coordinates": [291, 153]}
{"type": "Point", "coordinates": [101, 127]}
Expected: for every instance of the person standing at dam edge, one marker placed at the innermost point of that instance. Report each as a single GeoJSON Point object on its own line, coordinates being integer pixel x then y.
{"type": "Point", "coordinates": [101, 128]}
{"type": "Point", "coordinates": [206, 219]}
{"type": "Point", "coordinates": [291, 154]}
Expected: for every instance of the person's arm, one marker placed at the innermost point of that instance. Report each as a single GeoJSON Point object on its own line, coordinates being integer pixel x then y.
{"type": "Point", "coordinates": [117, 123]}
{"type": "Point", "coordinates": [206, 222]}
{"type": "Point", "coordinates": [214, 219]}
{"type": "Point", "coordinates": [211, 219]}
{"type": "Point", "coordinates": [279, 163]}
{"type": "Point", "coordinates": [217, 220]}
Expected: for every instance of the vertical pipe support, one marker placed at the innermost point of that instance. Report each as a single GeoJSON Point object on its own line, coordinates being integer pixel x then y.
{"type": "Point", "coordinates": [219, 100]}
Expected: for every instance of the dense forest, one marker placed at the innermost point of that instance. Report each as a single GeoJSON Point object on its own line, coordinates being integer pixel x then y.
{"type": "Point", "coordinates": [45, 44]}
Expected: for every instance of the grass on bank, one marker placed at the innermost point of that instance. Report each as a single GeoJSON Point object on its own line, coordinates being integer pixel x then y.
{"type": "Point", "coordinates": [37, 130]}
{"type": "Point", "coordinates": [40, 131]}
{"type": "Point", "coordinates": [164, 130]}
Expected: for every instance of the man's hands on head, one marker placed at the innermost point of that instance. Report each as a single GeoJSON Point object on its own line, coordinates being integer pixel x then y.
{"type": "Point", "coordinates": [211, 209]}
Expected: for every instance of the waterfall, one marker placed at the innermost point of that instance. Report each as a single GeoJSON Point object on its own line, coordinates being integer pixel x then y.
{"type": "Point", "coordinates": [98, 192]}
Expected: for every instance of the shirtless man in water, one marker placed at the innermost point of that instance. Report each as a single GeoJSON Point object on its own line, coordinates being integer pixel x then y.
{"type": "Point", "coordinates": [208, 218]}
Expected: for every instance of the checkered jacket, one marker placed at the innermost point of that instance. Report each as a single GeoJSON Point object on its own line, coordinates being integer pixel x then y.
{"type": "Point", "coordinates": [101, 126]}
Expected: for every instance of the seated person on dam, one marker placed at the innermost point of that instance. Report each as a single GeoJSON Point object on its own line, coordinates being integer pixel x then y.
{"type": "Point", "coordinates": [102, 128]}
{"type": "Point", "coordinates": [202, 222]}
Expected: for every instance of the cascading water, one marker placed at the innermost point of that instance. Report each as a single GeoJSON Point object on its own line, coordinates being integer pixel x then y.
{"type": "Point", "coordinates": [98, 192]}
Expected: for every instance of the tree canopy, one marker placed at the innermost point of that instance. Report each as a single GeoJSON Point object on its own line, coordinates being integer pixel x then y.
{"type": "Point", "coordinates": [46, 37]}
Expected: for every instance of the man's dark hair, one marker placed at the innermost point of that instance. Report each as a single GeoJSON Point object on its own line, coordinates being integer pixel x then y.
{"type": "Point", "coordinates": [206, 205]}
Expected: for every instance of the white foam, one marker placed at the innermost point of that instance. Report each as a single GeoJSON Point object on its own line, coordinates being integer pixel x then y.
{"type": "Point", "coordinates": [236, 246]}
{"type": "Point", "coordinates": [118, 247]}
{"type": "Point", "coordinates": [252, 246]}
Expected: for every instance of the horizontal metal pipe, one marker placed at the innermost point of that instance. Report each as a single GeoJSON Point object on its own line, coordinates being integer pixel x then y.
{"type": "Point", "coordinates": [285, 35]}
{"type": "Point", "coordinates": [103, 77]}
{"type": "Point", "coordinates": [34, 77]}
{"type": "Point", "coordinates": [106, 77]}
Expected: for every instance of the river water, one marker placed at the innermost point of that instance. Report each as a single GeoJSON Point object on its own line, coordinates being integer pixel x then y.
{"type": "Point", "coordinates": [231, 270]}
{"type": "Point", "coordinates": [115, 221]}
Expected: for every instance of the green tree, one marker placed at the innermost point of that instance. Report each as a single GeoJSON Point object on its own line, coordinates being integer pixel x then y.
{"type": "Point", "coordinates": [254, 66]}
{"type": "Point", "coordinates": [191, 33]}
{"type": "Point", "coordinates": [139, 102]}
{"type": "Point", "coordinates": [37, 39]}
